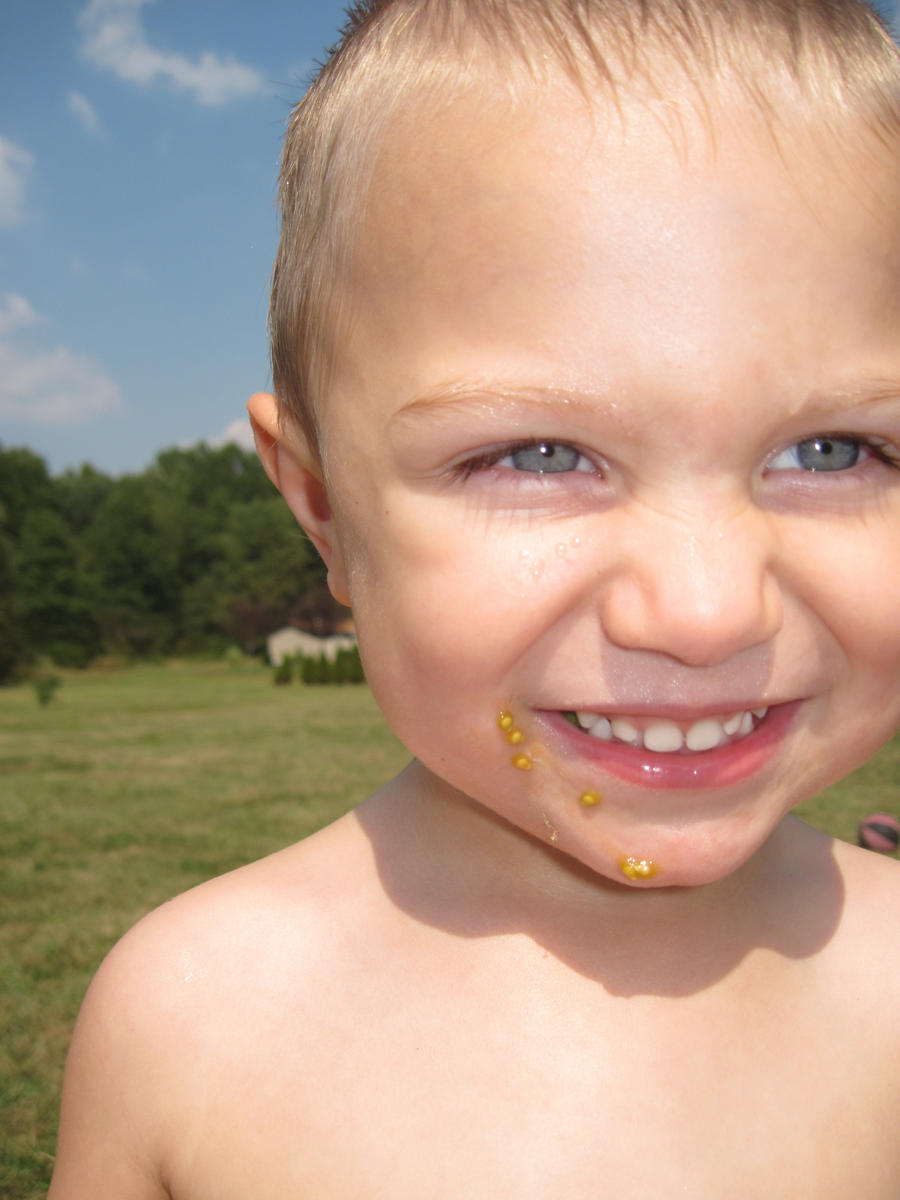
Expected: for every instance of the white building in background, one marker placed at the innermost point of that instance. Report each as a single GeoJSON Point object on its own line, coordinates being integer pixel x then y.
{"type": "Point", "coordinates": [286, 642]}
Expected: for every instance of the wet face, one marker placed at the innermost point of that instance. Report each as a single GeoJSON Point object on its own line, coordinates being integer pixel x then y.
{"type": "Point", "coordinates": [613, 453]}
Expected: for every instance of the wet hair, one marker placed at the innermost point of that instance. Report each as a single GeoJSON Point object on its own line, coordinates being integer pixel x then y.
{"type": "Point", "coordinates": [832, 60]}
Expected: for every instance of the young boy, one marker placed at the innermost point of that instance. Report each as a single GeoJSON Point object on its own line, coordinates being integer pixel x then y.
{"type": "Point", "coordinates": [587, 352]}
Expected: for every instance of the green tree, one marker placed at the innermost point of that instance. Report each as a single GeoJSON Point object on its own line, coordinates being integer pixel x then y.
{"type": "Point", "coordinates": [133, 553]}
{"type": "Point", "coordinates": [195, 553]}
{"type": "Point", "coordinates": [25, 486]}
{"type": "Point", "coordinates": [213, 489]}
{"type": "Point", "coordinates": [12, 643]}
{"type": "Point", "coordinates": [268, 564]}
{"type": "Point", "coordinates": [53, 602]}
{"type": "Point", "coordinates": [78, 495]}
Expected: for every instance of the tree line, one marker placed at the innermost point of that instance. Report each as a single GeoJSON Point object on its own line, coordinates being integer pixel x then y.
{"type": "Point", "coordinates": [195, 554]}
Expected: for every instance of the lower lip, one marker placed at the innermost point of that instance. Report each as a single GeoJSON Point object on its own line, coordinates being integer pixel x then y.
{"type": "Point", "coordinates": [705, 769]}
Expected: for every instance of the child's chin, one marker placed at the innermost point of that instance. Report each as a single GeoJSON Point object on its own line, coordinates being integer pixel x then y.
{"type": "Point", "coordinates": [661, 862]}
{"type": "Point", "coordinates": [678, 875]}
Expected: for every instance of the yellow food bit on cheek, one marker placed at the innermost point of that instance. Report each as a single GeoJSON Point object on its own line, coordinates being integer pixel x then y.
{"type": "Point", "coordinates": [637, 868]}
{"type": "Point", "coordinates": [522, 761]}
{"type": "Point", "coordinates": [590, 799]}
{"type": "Point", "coordinates": [514, 736]}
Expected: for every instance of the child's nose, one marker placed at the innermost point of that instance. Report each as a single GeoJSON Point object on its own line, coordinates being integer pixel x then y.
{"type": "Point", "coordinates": [695, 588]}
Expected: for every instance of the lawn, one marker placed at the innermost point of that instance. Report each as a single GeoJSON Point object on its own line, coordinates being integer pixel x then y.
{"type": "Point", "coordinates": [130, 787]}
{"type": "Point", "coordinates": [137, 783]}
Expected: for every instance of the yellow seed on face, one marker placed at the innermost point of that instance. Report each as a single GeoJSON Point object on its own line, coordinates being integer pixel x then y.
{"type": "Point", "coordinates": [515, 736]}
{"type": "Point", "coordinates": [522, 761]}
{"type": "Point", "coordinates": [590, 799]}
{"type": "Point", "coordinates": [637, 868]}
{"type": "Point", "coordinates": [505, 721]}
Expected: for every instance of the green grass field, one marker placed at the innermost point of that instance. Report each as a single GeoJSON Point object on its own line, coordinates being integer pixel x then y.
{"type": "Point", "coordinates": [128, 788]}
{"type": "Point", "coordinates": [135, 784]}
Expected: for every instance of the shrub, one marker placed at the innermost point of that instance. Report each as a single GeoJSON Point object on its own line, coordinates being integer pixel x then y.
{"type": "Point", "coordinates": [45, 684]}
{"type": "Point", "coordinates": [345, 668]}
{"type": "Point", "coordinates": [352, 668]}
{"type": "Point", "coordinates": [284, 672]}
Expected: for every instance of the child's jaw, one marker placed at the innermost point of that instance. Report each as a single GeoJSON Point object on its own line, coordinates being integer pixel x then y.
{"type": "Point", "coordinates": [649, 817]}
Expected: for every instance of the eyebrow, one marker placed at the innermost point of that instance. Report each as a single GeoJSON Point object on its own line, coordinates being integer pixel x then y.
{"type": "Point", "coordinates": [472, 399]}
{"type": "Point", "coordinates": [862, 394]}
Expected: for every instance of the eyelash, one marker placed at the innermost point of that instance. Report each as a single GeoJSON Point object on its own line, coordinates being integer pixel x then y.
{"type": "Point", "coordinates": [884, 452]}
{"type": "Point", "coordinates": [880, 450]}
{"type": "Point", "coordinates": [491, 458]}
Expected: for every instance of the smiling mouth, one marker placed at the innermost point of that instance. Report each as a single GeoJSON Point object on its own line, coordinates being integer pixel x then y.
{"type": "Point", "coordinates": [669, 737]}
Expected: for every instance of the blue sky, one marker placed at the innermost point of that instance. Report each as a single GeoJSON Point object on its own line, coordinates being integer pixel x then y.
{"type": "Point", "coordinates": [139, 142]}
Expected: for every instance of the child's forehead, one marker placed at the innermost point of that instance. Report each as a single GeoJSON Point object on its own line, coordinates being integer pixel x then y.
{"type": "Point", "coordinates": [416, 92]}
{"type": "Point", "coordinates": [476, 173]}
{"type": "Point", "coordinates": [484, 224]}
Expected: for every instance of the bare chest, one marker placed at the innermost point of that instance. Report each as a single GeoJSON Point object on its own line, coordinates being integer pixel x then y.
{"type": "Point", "coordinates": [519, 1096]}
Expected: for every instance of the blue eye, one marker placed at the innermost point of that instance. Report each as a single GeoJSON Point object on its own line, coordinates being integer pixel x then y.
{"type": "Point", "coordinates": [819, 454]}
{"type": "Point", "coordinates": [545, 458]}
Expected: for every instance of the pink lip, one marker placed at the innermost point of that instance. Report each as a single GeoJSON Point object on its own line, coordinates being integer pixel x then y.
{"type": "Point", "coordinates": [708, 769]}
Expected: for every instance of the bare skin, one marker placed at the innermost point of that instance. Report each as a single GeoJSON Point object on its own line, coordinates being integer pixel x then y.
{"type": "Point", "coordinates": [369, 1013]}
{"type": "Point", "coordinates": [443, 996]}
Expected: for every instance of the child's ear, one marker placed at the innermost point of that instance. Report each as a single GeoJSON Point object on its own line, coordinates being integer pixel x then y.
{"type": "Point", "coordinates": [293, 467]}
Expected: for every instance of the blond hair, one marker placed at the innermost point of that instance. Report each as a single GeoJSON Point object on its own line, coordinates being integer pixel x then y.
{"type": "Point", "coordinates": [834, 55]}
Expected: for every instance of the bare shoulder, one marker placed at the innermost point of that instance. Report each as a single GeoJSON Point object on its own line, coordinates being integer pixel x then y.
{"type": "Point", "coordinates": [872, 893]}
{"type": "Point", "coordinates": [869, 878]}
{"type": "Point", "coordinates": [863, 956]}
{"type": "Point", "coordinates": [271, 916]}
{"type": "Point", "coordinates": [245, 938]}
{"type": "Point", "coordinates": [193, 997]}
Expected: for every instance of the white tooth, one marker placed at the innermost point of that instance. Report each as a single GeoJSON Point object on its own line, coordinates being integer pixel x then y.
{"type": "Point", "coordinates": [746, 724]}
{"type": "Point", "coordinates": [759, 713]}
{"type": "Point", "coordinates": [601, 729]}
{"type": "Point", "coordinates": [663, 737]}
{"type": "Point", "coordinates": [733, 724]}
{"type": "Point", "coordinates": [625, 731]}
{"type": "Point", "coordinates": [587, 720]}
{"type": "Point", "coordinates": [705, 734]}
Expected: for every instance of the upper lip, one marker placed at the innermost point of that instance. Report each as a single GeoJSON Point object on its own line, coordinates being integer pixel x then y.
{"type": "Point", "coordinates": [678, 713]}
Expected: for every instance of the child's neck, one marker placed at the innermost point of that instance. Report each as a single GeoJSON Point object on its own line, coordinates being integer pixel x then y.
{"type": "Point", "coordinates": [450, 863]}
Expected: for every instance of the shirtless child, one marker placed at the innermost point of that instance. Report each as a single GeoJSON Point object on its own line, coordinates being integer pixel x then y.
{"type": "Point", "coordinates": [586, 330]}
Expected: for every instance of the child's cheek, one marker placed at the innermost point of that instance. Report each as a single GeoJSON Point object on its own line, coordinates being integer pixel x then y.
{"type": "Point", "coordinates": [449, 616]}
{"type": "Point", "coordinates": [571, 804]}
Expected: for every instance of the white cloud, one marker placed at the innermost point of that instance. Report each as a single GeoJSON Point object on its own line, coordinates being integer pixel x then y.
{"type": "Point", "coordinates": [114, 39]}
{"type": "Point", "coordinates": [238, 431]}
{"type": "Point", "coordinates": [84, 112]}
{"type": "Point", "coordinates": [16, 313]}
{"type": "Point", "coordinates": [15, 163]}
{"type": "Point", "coordinates": [47, 387]}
